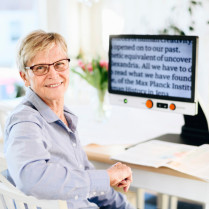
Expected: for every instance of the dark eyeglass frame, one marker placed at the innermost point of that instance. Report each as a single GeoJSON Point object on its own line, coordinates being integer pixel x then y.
{"type": "Point", "coordinates": [31, 67]}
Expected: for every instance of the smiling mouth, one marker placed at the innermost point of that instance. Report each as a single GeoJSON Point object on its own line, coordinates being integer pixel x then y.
{"type": "Point", "coordinates": [54, 85]}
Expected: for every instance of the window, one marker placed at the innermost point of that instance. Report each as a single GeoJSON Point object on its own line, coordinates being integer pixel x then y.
{"type": "Point", "coordinates": [17, 18]}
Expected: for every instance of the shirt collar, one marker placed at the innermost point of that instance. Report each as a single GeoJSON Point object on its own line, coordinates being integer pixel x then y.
{"type": "Point", "coordinates": [46, 111]}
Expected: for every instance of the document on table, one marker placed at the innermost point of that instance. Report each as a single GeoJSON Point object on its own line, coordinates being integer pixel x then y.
{"type": "Point", "coordinates": [188, 159]}
{"type": "Point", "coordinates": [154, 153]}
{"type": "Point", "coordinates": [195, 163]}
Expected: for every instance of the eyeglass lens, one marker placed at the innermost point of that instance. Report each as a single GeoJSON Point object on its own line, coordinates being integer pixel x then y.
{"type": "Point", "coordinates": [59, 66]}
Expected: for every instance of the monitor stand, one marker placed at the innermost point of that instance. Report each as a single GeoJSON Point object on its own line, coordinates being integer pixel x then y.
{"type": "Point", "coordinates": [193, 132]}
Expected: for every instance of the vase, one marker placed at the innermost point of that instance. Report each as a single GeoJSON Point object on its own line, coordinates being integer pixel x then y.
{"type": "Point", "coordinates": [101, 111]}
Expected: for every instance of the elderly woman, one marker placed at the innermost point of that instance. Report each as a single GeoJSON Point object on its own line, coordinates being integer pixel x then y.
{"type": "Point", "coordinates": [44, 155]}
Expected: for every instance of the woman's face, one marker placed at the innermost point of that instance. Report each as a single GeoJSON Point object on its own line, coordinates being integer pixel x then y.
{"type": "Point", "coordinates": [52, 86]}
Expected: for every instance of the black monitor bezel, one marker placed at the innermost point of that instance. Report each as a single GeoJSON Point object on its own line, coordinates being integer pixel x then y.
{"type": "Point", "coordinates": [167, 37]}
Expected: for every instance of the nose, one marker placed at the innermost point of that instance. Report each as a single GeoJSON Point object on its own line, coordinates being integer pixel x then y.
{"type": "Point", "coordinates": [52, 72]}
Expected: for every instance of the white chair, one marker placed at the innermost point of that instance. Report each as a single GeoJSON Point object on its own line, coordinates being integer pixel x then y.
{"type": "Point", "coordinates": [12, 198]}
{"type": "Point", "coordinates": [6, 106]}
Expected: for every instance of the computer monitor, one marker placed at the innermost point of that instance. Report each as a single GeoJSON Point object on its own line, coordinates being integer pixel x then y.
{"type": "Point", "coordinates": [157, 72]}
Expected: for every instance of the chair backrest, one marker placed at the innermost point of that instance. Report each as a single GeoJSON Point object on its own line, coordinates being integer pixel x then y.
{"type": "Point", "coordinates": [6, 106]}
{"type": "Point", "coordinates": [12, 198]}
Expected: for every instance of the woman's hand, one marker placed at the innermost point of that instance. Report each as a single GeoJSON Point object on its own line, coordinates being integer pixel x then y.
{"type": "Point", "coordinates": [120, 175]}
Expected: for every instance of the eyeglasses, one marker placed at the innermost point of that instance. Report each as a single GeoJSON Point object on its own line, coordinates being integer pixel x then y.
{"type": "Point", "coordinates": [43, 69]}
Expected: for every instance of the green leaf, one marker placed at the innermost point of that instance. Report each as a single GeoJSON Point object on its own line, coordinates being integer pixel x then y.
{"type": "Point", "coordinates": [182, 33]}
{"type": "Point", "coordinates": [190, 10]}
{"type": "Point", "coordinates": [165, 31]}
{"type": "Point", "coordinates": [194, 2]}
{"type": "Point", "coordinates": [191, 28]}
{"type": "Point", "coordinates": [78, 73]}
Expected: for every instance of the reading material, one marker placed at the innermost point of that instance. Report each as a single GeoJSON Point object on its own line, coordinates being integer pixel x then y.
{"type": "Point", "coordinates": [192, 160]}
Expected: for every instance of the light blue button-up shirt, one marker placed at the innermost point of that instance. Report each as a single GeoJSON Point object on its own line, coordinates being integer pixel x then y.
{"type": "Point", "coordinates": [45, 158]}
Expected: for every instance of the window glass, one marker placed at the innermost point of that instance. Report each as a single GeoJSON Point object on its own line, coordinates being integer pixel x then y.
{"type": "Point", "coordinates": [17, 18]}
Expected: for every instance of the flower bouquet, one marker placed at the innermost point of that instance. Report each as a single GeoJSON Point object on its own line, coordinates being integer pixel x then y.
{"type": "Point", "coordinates": [96, 74]}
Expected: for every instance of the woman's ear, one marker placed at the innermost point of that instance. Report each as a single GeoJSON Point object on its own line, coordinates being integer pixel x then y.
{"type": "Point", "coordinates": [25, 79]}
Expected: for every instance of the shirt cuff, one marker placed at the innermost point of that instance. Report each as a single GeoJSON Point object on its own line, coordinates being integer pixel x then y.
{"type": "Point", "coordinates": [99, 182]}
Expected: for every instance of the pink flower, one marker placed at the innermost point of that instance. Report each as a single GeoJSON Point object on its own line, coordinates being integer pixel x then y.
{"type": "Point", "coordinates": [89, 67]}
{"type": "Point", "coordinates": [104, 64]}
{"type": "Point", "coordinates": [81, 64]}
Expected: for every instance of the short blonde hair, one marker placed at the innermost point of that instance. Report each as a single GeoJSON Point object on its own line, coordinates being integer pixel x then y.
{"type": "Point", "coordinates": [35, 42]}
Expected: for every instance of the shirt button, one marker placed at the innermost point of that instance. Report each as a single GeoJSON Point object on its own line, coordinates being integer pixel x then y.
{"type": "Point", "coordinates": [74, 144]}
{"type": "Point", "coordinates": [76, 197]}
{"type": "Point", "coordinates": [80, 166]}
{"type": "Point", "coordinates": [102, 193]}
{"type": "Point", "coordinates": [94, 193]}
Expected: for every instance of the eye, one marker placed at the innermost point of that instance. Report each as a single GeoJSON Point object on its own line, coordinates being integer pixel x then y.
{"type": "Point", "coordinates": [40, 68]}
{"type": "Point", "coordinates": [60, 63]}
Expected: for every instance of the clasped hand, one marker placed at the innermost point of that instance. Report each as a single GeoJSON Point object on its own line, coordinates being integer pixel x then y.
{"type": "Point", "coordinates": [120, 176]}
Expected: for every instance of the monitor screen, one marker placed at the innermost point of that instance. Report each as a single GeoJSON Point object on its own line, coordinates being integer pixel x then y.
{"type": "Point", "coordinates": [154, 71]}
